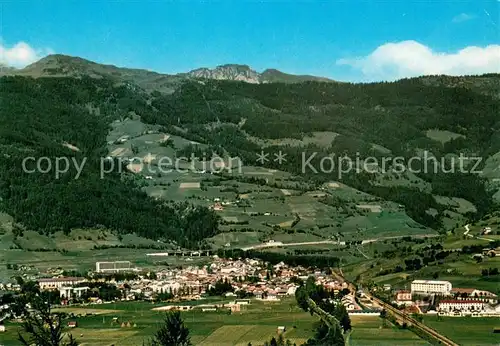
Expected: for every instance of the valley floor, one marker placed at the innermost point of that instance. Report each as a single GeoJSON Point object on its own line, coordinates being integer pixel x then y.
{"type": "Point", "coordinates": [256, 323]}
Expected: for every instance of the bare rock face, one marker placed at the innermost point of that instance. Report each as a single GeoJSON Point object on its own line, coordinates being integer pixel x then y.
{"type": "Point", "coordinates": [227, 72]}
{"type": "Point", "coordinates": [245, 74]}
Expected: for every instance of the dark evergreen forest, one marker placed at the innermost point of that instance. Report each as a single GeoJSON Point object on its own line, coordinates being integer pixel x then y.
{"type": "Point", "coordinates": [36, 118]}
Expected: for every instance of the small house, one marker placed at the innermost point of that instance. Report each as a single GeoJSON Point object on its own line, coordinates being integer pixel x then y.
{"type": "Point", "coordinates": [72, 324]}
{"type": "Point", "coordinates": [242, 301]}
{"type": "Point", "coordinates": [404, 297]}
{"type": "Point", "coordinates": [235, 307]}
{"type": "Point", "coordinates": [217, 207]}
{"type": "Point", "coordinates": [486, 231]}
{"type": "Point", "coordinates": [281, 329]}
{"type": "Point", "coordinates": [208, 309]}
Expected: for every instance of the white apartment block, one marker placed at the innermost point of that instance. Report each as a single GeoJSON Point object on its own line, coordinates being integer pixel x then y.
{"type": "Point", "coordinates": [57, 283]}
{"type": "Point", "coordinates": [427, 287]}
{"type": "Point", "coordinates": [113, 267]}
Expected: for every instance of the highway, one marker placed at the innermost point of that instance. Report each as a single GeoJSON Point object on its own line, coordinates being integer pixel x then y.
{"type": "Point", "coordinates": [325, 242]}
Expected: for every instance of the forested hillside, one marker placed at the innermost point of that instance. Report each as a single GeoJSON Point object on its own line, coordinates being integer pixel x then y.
{"type": "Point", "coordinates": [41, 118]}
{"type": "Point", "coordinates": [395, 116]}
{"type": "Point", "coordinates": [70, 117]}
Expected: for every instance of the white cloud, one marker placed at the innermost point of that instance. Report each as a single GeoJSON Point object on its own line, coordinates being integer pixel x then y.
{"type": "Point", "coordinates": [20, 54]}
{"type": "Point", "coordinates": [392, 61]}
{"type": "Point", "coordinates": [462, 17]}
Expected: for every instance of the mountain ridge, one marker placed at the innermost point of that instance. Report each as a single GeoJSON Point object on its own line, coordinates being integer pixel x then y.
{"type": "Point", "coordinates": [59, 65]}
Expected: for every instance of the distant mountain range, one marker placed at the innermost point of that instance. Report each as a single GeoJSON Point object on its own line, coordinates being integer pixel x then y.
{"type": "Point", "coordinates": [58, 65]}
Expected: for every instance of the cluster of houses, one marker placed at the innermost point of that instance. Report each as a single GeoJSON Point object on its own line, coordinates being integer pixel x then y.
{"type": "Point", "coordinates": [444, 299]}
{"type": "Point", "coordinates": [247, 277]}
{"type": "Point", "coordinates": [253, 277]}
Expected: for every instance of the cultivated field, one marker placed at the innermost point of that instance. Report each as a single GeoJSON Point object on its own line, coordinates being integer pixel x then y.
{"type": "Point", "coordinates": [255, 324]}
{"type": "Point", "coordinates": [472, 331]}
{"type": "Point", "coordinates": [369, 330]}
{"type": "Point", "coordinates": [271, 206]}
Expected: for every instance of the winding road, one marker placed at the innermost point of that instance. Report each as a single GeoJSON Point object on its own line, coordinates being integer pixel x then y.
{"type": "Point", "coordinates": [331, 242]}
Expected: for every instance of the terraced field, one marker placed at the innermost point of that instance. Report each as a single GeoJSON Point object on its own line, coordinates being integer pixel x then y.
{"type": "Point", "coordinates": [276, 205]}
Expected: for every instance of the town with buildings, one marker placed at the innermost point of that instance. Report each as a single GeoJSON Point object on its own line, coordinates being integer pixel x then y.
{"type": "Point", "coordinates": [241, 280]}
{"type": "Point", "coordinates": [237, 280]}
{"type": "Point", "coordinates": [225, 285]}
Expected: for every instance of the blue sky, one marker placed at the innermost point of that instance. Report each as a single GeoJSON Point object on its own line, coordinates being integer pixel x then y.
{"type": "Point", "coordinates": [349, 40]}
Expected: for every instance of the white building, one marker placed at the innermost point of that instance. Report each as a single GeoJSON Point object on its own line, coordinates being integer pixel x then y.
{"type": "Point", "coordinates": [72, 292]}
{"type": "Point", "coordinates": [113, 267]}
{"type": "Point", "coordinates": [167, 287]}
{"type": "Point", "coordinates": [427, 287]}
{"type": "Point", "coordinates": [242, 301]}
{"type": "Point", "coordinates": [349, 303]}
{"type": "Point", "coordinates": [486, 230]}
{"type": "Point", "coordinates": [461, 307]}
{"type": "Point", "coordinates": [57, 283]}
{"type": "Point", "coordinates": [291, 290]}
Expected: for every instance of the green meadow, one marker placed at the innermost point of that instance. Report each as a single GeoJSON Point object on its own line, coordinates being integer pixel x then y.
{"type": "Point", "coordinates": [370, 330]}
{"type": "Point", "coordinates": [474, 331]}
{"type": "Point", "coordinates": [101, 325]}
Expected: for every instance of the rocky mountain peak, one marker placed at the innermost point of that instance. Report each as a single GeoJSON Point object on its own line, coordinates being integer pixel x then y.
{"type": "Point", "coordinates": [228, 72]}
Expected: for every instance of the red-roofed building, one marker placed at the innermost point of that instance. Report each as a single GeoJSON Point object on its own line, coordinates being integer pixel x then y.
{"type": "Point", "coordinates": [460, 307]}
{"type": "Point", "coordinates": [403, 297]}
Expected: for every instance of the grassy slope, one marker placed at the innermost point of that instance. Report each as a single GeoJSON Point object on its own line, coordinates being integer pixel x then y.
{"type": "Point", "coordinates": [355, 223]}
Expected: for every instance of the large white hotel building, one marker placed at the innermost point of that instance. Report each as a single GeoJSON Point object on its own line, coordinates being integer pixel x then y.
{"type": "Point", "coordinates": [427, 287]}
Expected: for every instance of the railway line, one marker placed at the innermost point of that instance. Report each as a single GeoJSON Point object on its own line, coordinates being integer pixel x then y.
{"type": "Point", "coordinates": [402, 317]}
